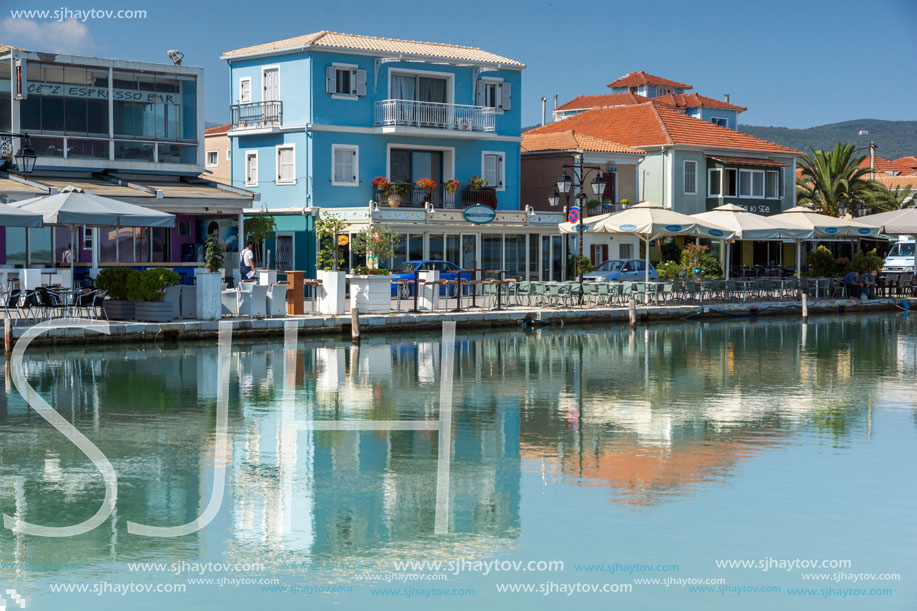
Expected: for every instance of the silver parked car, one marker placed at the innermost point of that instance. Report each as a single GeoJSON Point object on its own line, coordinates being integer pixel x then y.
{"type": "Point", "coordinates": [621, 269]}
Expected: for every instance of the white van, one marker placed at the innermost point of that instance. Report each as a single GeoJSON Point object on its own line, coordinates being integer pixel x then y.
{"type": "Point", "coordinates": [901, 257]}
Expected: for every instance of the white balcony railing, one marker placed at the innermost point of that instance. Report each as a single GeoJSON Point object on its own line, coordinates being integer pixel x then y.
{"type": "Point", "coordinates": [458, 117]}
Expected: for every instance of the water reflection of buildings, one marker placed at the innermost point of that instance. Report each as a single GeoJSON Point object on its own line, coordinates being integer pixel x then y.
{"type": "Point", "coordinates": [359, 493]}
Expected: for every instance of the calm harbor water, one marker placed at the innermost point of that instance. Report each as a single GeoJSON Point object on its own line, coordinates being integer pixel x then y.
{"type": "Point", "coordinates": [664, 453]}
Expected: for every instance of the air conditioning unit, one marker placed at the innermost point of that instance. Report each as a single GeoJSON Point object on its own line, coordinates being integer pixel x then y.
{"type": "Point", "coordinates": [464, 124]}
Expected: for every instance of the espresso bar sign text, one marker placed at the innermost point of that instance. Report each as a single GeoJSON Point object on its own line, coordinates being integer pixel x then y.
{"type": "Point", "coordinates": [100, 93]}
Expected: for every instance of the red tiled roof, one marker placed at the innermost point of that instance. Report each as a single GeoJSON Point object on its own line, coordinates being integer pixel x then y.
{"type": "Point", "coordinates": [885, 165]}
{"type": "Point", "coordinates": [605, 99]}
{"type": "Point", "coordinates": [219, 129]}
{"type": "Point", "coordinates": [910, 161]}
{"type": "Point", "coordinates": [632, 79]}
{"type": "Point", "coordinates": [572, 141]}
{"type": "Point", "coordinates": [693, 100]}
{"type": "Point", "coordinates": [647, 125]}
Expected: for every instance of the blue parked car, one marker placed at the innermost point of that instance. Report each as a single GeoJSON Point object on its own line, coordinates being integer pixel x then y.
{"type": "Point", "coordinates": [621, 269]}
{"type": "Point", "coordinates": [447, 271]}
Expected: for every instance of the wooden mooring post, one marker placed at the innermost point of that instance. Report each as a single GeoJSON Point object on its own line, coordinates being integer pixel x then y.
{"type": "Point", "coordinates": [7, 336]}
{"type": "Point", "coordinates": [355, 325]}
{"type": "Point", "coordinates": [805, 307]}
{"type": "Point", "coordinates": [632, 312]}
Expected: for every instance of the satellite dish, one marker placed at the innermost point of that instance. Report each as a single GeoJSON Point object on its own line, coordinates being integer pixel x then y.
{"type": "Point", "coordinates": [175, 55]}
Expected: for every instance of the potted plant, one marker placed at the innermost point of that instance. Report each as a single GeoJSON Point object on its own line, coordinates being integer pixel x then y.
{"type": "Point", "coordinates": [451, 187]}
{"type": "Point", "coordinates": [370, 287]}
{"type": "Point", "coordinates": [146, 290]}
{"type": "Point", "coordinates": [625, 201]}
{"type": "Point", "coordinates": [113, 280]}
{"type": "Point", "coordinates": [330, 229]}
{"type": "Point", "coordinates": [209, 284]}
{"type": "Point", "coordinates": [478, 192]}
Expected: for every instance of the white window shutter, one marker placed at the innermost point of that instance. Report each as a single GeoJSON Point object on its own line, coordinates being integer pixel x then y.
{"type": "Point", "coordinates": [490, 170]}
{"type": "Point", "coordinates": [506, 97]}
{"type": "Point", "coordinates": [330, 79]}
{"type": "Point", "coordinates": [498, 170]}
{"type": "Point", "coordinates": [361, 82]}
{"type": "Point", "coordinates": [481, 93]}
{"type": "Point", "coordinates": [353, 165]}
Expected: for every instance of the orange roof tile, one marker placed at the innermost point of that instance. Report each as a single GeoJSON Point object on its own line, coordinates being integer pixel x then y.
{"type": "Point", "coordinates": [388, 46]}
{"type": "Point", "coordinates": [693, 100]}
{"type": "Point", "coordinates": [898, 182]}
{"type": "Point", "coordinates": [219, 129]}
{"type": "Point", "coordinates": [572, 141]}
{"type": "Point", "coordinates": [910, 161]}
{"type": "Point", "coordinates": [632, 79]}
{"type": "Point", "coordinates": [605, 99]}
{"type": "Point", "coordinates": [885, 165]}
{"type": "Point", "coordinates": [646, 124]}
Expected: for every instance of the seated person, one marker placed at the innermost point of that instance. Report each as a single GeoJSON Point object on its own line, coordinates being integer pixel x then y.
{"type": "Point", "coordinates": [869, 284]}
{"type": "Point", "coordinates": [854, 284]}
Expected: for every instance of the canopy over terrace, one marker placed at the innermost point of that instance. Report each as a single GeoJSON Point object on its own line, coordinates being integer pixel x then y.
{"type": "Point", "coordinates": [895, 222]}
{"type": "Point", "coordinates": [750, 226]}
{"type": "Point", "coordinates": [650, 221]}
{"type": "Point", "coordinates": [11, 216]}
{"type": "Point", "coordinates": [73, 207]}
{"type": "Point", "coordinates": [821, 226]}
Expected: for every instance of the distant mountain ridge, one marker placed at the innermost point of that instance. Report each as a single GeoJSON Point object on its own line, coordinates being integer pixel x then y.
{"type": "Point", "coordinates": [894, 138]}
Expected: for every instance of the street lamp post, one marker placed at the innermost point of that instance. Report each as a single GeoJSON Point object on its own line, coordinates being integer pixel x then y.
{"type": "Point", "coordinates": [566, 184]}
{"type": "Point", "coordinates": [25, 157]}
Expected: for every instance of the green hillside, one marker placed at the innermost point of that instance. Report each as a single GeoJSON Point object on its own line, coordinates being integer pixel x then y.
{"type": "Point", "coordinates": [894, 138]}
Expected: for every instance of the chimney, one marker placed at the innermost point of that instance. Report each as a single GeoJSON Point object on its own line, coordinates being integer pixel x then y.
{"type": "Point", "coordinates": [555, 101]}
{"type": "Point", "coordinates": [544, 109]}
{"type": "Point", "coordinates": [726, 97]}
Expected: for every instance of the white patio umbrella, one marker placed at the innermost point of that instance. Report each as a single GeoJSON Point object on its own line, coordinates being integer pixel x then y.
{"type": "Point", "coordinates": [650, 221]}
{"type": "Point", "coordinates": [72, 207]}
{"type": "Point", "coordinates": [10, 216]}
{"type": "Point", "coordinates": [895, 222]}
{"type": "Point", "coordinates": [821, 225]}
{"type": "Point", "coordinates": [750, 226]}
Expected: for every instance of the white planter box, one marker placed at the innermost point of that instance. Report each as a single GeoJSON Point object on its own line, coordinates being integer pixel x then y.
{"type": "Point", "coordinates": [207, 296]}
{"type": "Point", "coordinates": [371, 294]}
{"type": "Point", "coordinates": [428, 298]}
{"type": "Point", "coordinates": [331, 292]}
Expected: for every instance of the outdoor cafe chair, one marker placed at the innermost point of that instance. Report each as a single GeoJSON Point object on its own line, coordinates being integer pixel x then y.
{"type": "Point", "coordinates": [277, 299]}
{"type": "Point", "coordinates": [522, 289]}
{"type": "Point", "coordinates": [602, 293]}
{"type": "Point", "coordinates": [650, 291]}
{"type": "Point", "coordinates": [537, 293]}
{"type": "Point", "coordinates": [490, 293]}
{"type": "Point", "coordinates": [590, 294]}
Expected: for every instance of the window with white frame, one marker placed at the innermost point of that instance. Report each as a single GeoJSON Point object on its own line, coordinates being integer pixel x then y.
{"type": "Point", "coordinates": [714, 182]}
{"type": "Point", "coordinates": [88, 233]}
{"type": "Point", "coordinates": [345, 80]}
{"type": "Point", "coordinates": [245, 90]}
{"type": "Point", "coordinates": [345, 160]}
{"type": "Point", "coordinates": [771, 185]}
{"type": "Point", "coordinates": [690, 180]}
{"type": "Point", "coordinates": [730, 182]}
{"type": "Point", "coordinates": [251, 169]}
{"type": "Point", "coordinates": [493, 170]}
{"type": "Point", "coordinates": [229, 154]}
{"type": "Point", "coordinates": [286, 165]}
{"type": "Point", "coordinates": [751, 183]}
{"type": "Point", "coordinates": [721, 121]}
{"type": "Point", "coordinates": [213, 159]}
{"type": "Point", "coordinates": [494, 93]}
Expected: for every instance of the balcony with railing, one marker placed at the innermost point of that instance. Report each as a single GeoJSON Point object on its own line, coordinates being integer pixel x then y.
{"type": "Point", "coordinates": [439, 197]}
{"type": "Point", "coordinates": [434, 115]}
{"type": "Point", "coordinates": [257, 115]}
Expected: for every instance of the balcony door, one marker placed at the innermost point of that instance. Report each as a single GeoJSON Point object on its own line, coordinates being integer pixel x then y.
{"type": "Point", "coordinates": [271, 93]}
{"type": "Point", "coordinates": [410, 166]}
{"type": "Point", "coordinates": [423, 96]}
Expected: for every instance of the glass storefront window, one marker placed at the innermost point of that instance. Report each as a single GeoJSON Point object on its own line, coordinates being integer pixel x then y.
{"type": "Point", "coordinates": [87, 149]}
{"type": "Point", "coordinates": [126, 244]}
{"type": "Point", "coordinates": [162, 246]}
{"type": "Point", "coordinates": [452, 249]}
{"type": "Point", "coordinates": [514, 255]}
{"type": "Point", "coordinates": [48, 147]}
{"type": "Point", "coordinates": [136, 151]}
{"type": "Point", "coordinates": [469, 252]}
{"type": "Point", "coordinates": [40, 247]}
{"type": "Point", "coordinates": [6, 93]}
{"type": "Point", "coordinates": [142, 244]}
{"type": "Point", "coordinates": [436, 246]}
{"type": "Point", "coordinates": [415, 246]}
{"type": "Point", "coordinates": [545, 257]}
{"type": "Point", "coordinates": [400, 250]}
{"type": "Point", "coordinates": [177, 153]}
{"type": "Point", "coordinates": [557, 258]}
{"type": "Point", "coordinates": [107, 248]}
{"type": "Point", "coordinates": [492, 252]}
{"type": "Point", "coordinates": [15, 246]}
{"type": "Point", "coordinates": [62, 249]}
{"type": "Point", "coordinates": [533, 256]}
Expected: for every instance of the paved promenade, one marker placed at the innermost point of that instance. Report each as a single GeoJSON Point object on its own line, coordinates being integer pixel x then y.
{"type": "Point", "coordinates": [403, 322]}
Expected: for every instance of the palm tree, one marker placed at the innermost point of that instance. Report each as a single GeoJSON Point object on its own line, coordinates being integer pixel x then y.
{"type": "Point", "coordinates": [885, 199]}
{"type": "Point", "coordinates": [835, 177]}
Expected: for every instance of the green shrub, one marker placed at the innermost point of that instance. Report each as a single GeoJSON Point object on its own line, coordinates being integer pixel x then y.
{"type": "Point", "coordinates": [362, 270]}
{"type": "Point", "coordinates": [573, 270]}
{"type": "Point", "coordinates": [865, 262]}
{"type": "Point", "coordinates": [114, 280]}
{"type": "Point", "coordinates": [149, 284]}
{"type": "Point", "coordinates": [822, 264]}
{"type": "Point", "coordinates": [670, 270]}
{"type": "Point", "coordinates": [213, 254]}
{"type": "Point", "coordinates": [669, 250]}
{"type": "Point", "coordinates": [698, 257]}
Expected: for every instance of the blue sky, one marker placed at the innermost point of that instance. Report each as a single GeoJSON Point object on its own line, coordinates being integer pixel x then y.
{"type": "Point", "coordinates": [794, 64]}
